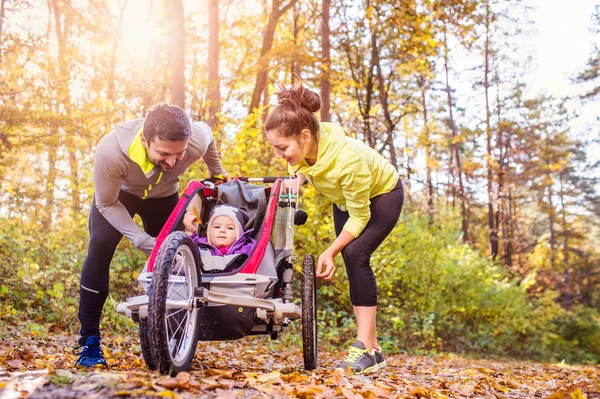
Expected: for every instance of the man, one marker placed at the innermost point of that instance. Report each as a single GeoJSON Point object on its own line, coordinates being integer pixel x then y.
{"type": "Point", "coordinates": [136, 171]}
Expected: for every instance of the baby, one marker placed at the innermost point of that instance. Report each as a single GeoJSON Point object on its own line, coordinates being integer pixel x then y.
{"type": "Point", "coordinates": [225, 233]}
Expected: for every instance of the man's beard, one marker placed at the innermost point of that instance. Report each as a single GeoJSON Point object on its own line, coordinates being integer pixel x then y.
{"type": "Point", "coordinates": [164, 166]}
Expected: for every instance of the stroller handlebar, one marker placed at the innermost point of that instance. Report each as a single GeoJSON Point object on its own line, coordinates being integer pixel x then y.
{"type": "Point", "coordinates": [265, 179]}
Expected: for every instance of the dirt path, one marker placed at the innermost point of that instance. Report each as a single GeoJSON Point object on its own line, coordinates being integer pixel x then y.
{"type": "Point", "coordinates": [253, 367]}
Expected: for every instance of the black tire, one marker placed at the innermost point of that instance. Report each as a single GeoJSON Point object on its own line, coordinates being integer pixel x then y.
{"type": "Point", "coordinates": [146, 345]}
{"type": "Point", "coordinates": [309, 312]}
{"type": "Point", "coordinates": [174, 332]}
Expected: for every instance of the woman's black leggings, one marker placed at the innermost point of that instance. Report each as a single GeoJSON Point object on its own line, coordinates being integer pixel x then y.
{"type": "Point", "coordinates": [385, 211]}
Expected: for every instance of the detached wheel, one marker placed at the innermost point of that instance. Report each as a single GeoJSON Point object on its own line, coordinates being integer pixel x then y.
{"type": "Point", "coordinates": [146, 345]}
{"type": "Point", "coordinates": [309, 313]}
{"type": "Point", "coordinates": [172, 313]}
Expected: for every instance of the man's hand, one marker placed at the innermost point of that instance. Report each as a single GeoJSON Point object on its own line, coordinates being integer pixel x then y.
{"type": "Point", "coordinates": [226, 176]}
{"type": "Point", "coordinates": [189, 220]}
{"type": "Point", "coordinates": [326, 261]}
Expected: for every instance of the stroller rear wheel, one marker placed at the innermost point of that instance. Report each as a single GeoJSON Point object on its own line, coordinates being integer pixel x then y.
{"type": "Point", "coordinates": [172, 314]}
{"type": "Point", "coordinates": [309, 312]}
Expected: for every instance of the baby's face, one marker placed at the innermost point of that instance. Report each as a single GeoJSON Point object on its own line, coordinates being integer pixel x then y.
{"type": "Point", "coordinates": [222, 232]}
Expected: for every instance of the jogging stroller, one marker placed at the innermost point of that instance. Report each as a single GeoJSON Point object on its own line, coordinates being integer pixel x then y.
{"type": "Point", "coordinates": [188, 298]}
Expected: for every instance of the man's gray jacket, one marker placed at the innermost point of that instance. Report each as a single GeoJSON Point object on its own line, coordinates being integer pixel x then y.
{"type": "Point", "coordinates": [121, 163]}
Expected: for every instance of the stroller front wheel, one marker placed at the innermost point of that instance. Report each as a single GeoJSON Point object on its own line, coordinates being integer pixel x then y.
{"type": "Point", "coordinates": [146, 345]}
{"type": "Point", "coordinates": [172, 326]}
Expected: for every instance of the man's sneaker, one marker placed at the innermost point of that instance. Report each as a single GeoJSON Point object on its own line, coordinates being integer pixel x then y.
{"type": "Point", "coordinates": [359, 360]}
{"type": "Point", "coordinates": [90, 354]}
{"type": "Point", "coordinates": [379, 358]}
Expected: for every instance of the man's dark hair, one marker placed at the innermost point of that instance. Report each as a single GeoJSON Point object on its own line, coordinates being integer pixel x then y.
{"type": "Point", "coordinates": [166, 122]}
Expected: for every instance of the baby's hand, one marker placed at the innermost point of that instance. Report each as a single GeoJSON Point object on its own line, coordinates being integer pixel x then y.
{"type": "Point", "coordinates": [189, 223]}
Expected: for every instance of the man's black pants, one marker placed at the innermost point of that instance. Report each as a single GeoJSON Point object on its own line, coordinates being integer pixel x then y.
{"type": "Point", "coordinates": [104, 239]}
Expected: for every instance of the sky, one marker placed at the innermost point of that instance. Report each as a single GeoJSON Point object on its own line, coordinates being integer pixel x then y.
{"type": "Point", "coordinates": [561, 45]}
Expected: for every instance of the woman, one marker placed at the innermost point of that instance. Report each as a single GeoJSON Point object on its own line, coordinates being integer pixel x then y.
{"type": "Point", "coordinates": [367, 198]}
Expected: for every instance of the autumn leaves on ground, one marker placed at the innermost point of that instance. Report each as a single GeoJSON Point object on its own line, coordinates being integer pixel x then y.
{"type": "Point", "coordinates": [254, 367]}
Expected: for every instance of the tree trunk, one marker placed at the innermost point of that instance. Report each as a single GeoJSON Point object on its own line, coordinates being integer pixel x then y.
{"type": "Point", "coordinates": [461, 188]}
{"type": "Point", "coordinates": [503, 143]}
{"type": "Point", "coordinates": [389, 123]}
{"type": "Point", "coordinates": [263, 62]}
{"type": "Point", "coordinates": [326, 61]}
{"type": "Point", "coordinates": [1, 21]}
{"type": "Point", "coordinates": [370, 86]}
{"type": "Point", "coordinates": [177, 47]}
{"type": "Point", "coordinates": [509, 230]}
{"type": "Point", "coordinates": [295, 68]}
{"type": "Point", "coordinates": [429, 182]}
{"type": "Point", "coordinates": [552, 230]}
{"type": "Point", "coordinates": [112, 64]}
{"type": "Point", "coordinates": [50, 183]}
{"type": "Point", "coordinates": [406, 155]}
{"type": "Point", "coordinates": [62, 34]}
{"type": "Point", "coordinates": [364, 106]}
{"type": "Point", "coordinates": [568, 292]}
{"type": "Point", "coordinates": [265, 96]}
{"type": "Point", "coordinates": [516, 228]}
{"type": "Point", "coordinates": [214, 80]}
{"type": "Point", "coordinates": [488, 129]}
{"type": "Point", "coordinates": [452, 188]}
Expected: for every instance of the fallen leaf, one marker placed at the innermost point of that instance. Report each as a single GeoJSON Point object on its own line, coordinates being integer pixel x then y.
{"type": "Point", "coordinates": [349, 394]}
{"type": "Point", "coordinates": [420, 392]}
{"type": "Point", "coordinates": [269, 376]}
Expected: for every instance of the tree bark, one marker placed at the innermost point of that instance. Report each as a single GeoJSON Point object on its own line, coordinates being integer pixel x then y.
{"type": "Point", "coordinates": [461, 188]}
{"type": "Point", "coordinates": [263, 63]}
{"type": "Point", "coordinates": [364, 106]}
{"type": "Point", "coordinates": [503, 144]}
{"type": "Point", "coordinates": [488, 129]}
{"type": "Point", "coordinates": [112, 64]}
{"type": "Point", "coordinates": [567, 293]}
{"type": "Point", "coordinates": [214, 80]}
{"type": "Point", "coordinates": [50, 183]}
{"type": "Point", "coordinates": [1, 22]}
{"type": "Point", "coordinates": [552, 230]}
{"type": "Point", "coordinates": [389, 123]}
{"type": "Point", "coordinates": [177, 45]}
{"type": "Point", "coordinates": [406, 155]}
{"type": "Point", "coordinates": [509, 230]}
{"type": "Point", "coordinates": [62, 34]}
{"type": "Point", "coordinates": [516, 228]}
{"type": "Point", "coordinates": [326, 61]}
{"type": "Point", "coordinates": [429, 182]}
{"type": "Point", "coordinates": [295, 68]}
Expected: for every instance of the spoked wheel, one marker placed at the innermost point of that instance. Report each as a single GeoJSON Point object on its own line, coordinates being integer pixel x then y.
{"type": "Point", "coordinates": [146, 345]}
{"type": "Point", "coordinates": [309, 313]}
{"type": "Point", "coordinates": [172, 314]}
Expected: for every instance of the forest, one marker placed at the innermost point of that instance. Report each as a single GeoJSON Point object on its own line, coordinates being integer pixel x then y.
{"type": "Point", "coordinates": [496, 253]}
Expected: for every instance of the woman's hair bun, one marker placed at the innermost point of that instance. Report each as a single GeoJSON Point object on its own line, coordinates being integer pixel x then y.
{"type": "Point", "coordinates": [299, 96]}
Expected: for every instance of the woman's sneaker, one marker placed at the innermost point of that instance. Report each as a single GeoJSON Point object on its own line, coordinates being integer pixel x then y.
{"type": "Point", "coordinates": [90, 354]}
{"type": "Point", "coordinates": [379, 358]}
{"type": "Point", "coordinates": [359, 360]}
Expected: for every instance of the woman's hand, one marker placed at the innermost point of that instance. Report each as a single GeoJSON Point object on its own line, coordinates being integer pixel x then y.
{"type": "Point", "coordinates": [326, 261]}
{"type": "Point", "coordinates": [189, 223]}
{"type": "Point", "coordinates": [293, 185]}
